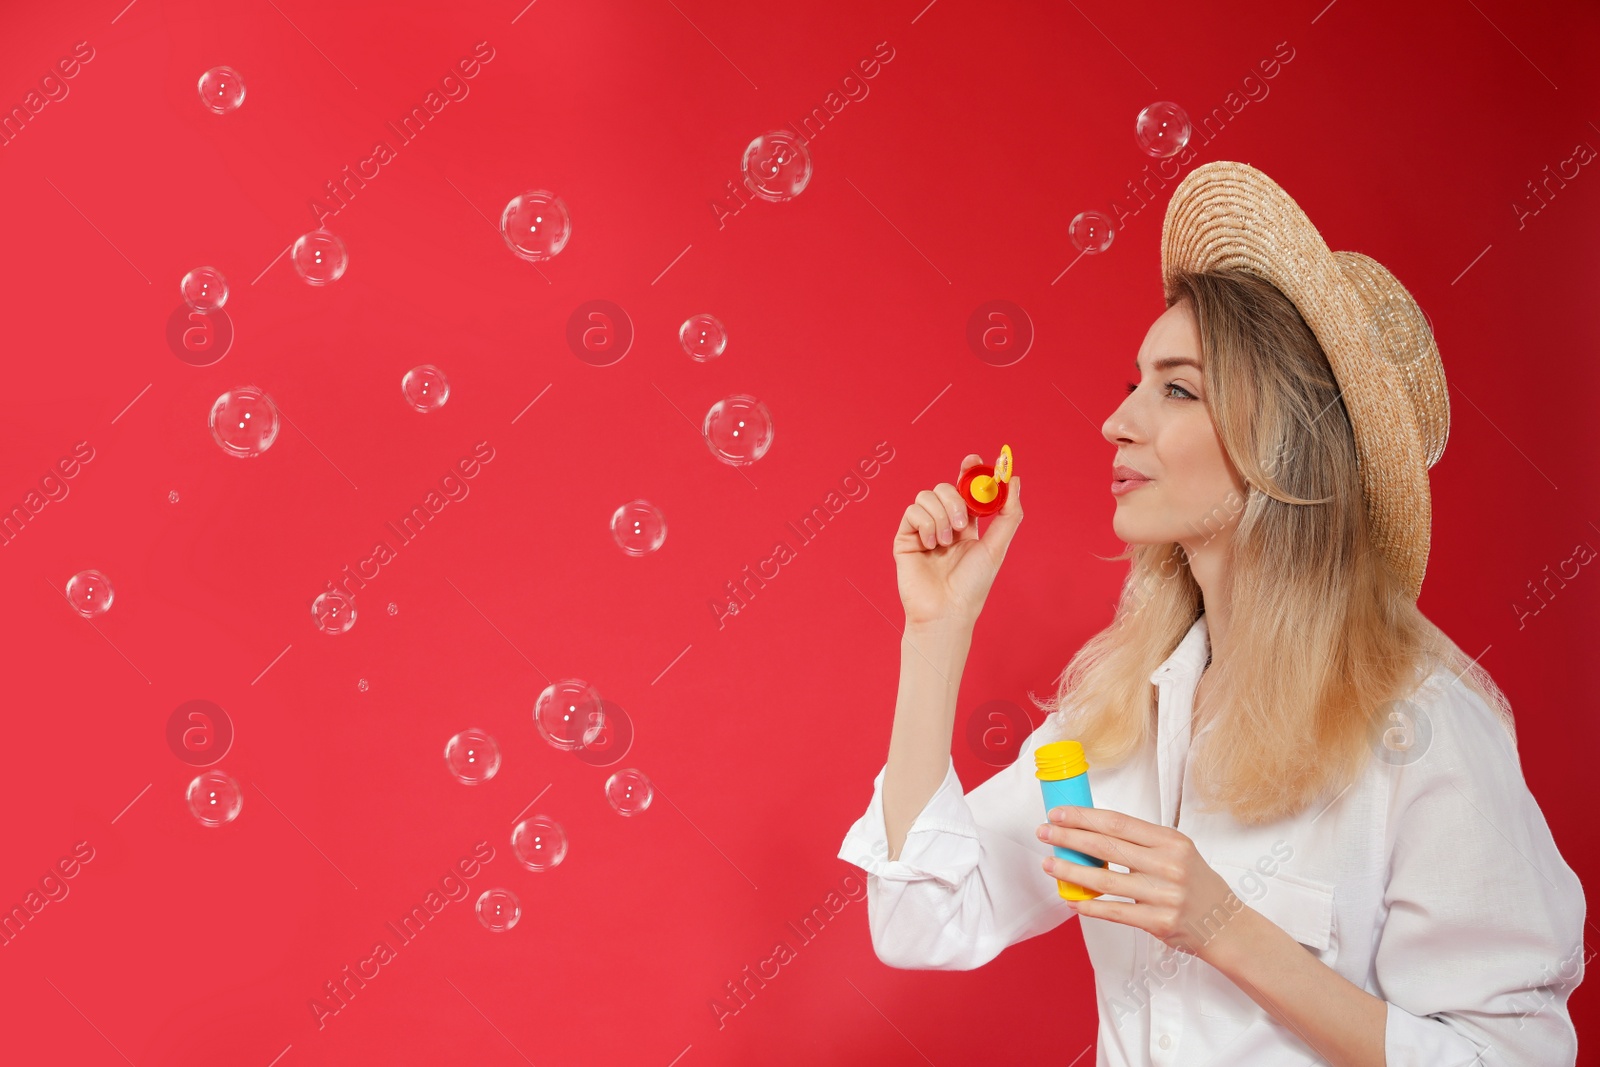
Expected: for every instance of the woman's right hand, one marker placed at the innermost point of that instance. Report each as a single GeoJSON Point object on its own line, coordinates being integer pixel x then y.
{"type": "Point", "coordinates": [944, 568]}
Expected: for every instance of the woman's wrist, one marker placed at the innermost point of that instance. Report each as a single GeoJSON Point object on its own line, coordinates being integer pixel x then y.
{"type": "Point", "coordinates": [947, 629]}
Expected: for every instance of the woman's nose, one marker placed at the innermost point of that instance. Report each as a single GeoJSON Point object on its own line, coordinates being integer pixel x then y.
{"type": "Point", "coordinates": [1118, 427]}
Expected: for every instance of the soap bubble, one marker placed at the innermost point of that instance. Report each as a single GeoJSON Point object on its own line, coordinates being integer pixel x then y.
{"type": "Point", "coordinates": [629, 791]}
{"type": "Point", "coordinates": [90, 593]}
{"type": "Point", "coordinates": [498, 910]}
{"type": "Point", "coordinates": [472, 756]}
{"type": "Point", "coordinates": [536, 225]}
{"type": "Point", "coordinates": [1091, 231]}
{"type": "Point", "coordinates": [204, 289]}
{"type": "Point", "coordinates": [777, 165]}
{"type": "Point", "coordinates": [319, 257]}
{"type": "Point", "coordinates": [738, 430]}
{"type": "Point", "coordinates": [539, 843]}
{"type": "Point", "coordinates": [425, 388]}
{"type": "Point", "coordinates": [1162, 129]}
{"type": "Point", "coordinates": [244, 422]}
{"type": "Point", "coordinates": [567, 713]}
{"type": "Point", "coordinates": [214, 798]}
{"type": "Point", "coordinates": [333, 612]}
{"type": "Point", "coordinates": [703, 337]}
{"type": "Point", "coordinates": [638, 527]}
{"type": "Point", "coordinates": [221, 90]}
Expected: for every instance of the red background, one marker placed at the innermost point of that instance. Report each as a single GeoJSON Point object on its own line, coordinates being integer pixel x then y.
{"type": "Point", "coordinates": [1407, 132]}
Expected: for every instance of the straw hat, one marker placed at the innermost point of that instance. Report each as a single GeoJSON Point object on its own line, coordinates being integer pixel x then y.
{"type": "Point", "coordinates": [1376, 338]}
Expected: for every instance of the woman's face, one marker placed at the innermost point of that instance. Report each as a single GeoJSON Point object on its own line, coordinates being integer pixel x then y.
{"type": "Point", "coordinates": [1162, 429]}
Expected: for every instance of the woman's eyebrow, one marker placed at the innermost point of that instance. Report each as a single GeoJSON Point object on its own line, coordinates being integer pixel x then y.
{"type": "Point", "coordinates": [1169, 362]}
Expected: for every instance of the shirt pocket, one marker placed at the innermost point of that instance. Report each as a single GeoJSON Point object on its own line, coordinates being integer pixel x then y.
{"type": "Point", "coordinates": [1301, 907]}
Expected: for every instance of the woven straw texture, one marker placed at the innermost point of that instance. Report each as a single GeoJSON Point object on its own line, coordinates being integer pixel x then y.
{"type": "Point", "coordinates": [1377, 340]}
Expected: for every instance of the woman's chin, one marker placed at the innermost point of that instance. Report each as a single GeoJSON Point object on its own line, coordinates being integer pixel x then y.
{"type": "Point", "coordinates": [1134, 533]}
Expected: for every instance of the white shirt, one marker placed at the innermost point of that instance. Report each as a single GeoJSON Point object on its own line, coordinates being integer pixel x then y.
{"type": "Point", "coordinates": [1432, 883]}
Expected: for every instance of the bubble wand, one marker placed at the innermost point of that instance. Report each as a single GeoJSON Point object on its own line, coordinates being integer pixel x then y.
{"type": "Point", "coordinates": [985, 488]}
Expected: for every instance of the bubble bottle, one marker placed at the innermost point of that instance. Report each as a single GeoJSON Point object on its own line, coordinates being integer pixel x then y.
{"type": "Point", "coordinates": [1063, 775]}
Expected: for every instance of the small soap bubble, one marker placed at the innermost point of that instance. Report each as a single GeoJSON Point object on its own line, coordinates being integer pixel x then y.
{"type": "Point", "coordinates": [90, 593]}
{"type": "Point", "coordinates": [319, 257]}
{"type": "Point", "coordinates": [221, 90]}
{"type": "Point", "coordinates": [703, 337]}
{"type": "Point", "coordinates": [498, 910]}
{"type": "Point", "coordinates": [361, 685]}
{"type": "Point", "coordinates": [738, 430]}
{"type": "Point", "coordinates": [566, 712]}
{"type": "Point", "coordinates": [204, 289]}
{"type": "Point", "coordinates": [333, 612]}
{"type": "Point", "coordinates": [1162, 129]}
{"type": "Point", "coordinates": [214, 798]}
{"type": "Point", "coordinates": [629, 791]}
{"type": "Point", "coordinates": [472, 756]}
{"type": "Point", "coordinates": [394, 609]}
{"type": "Point", "coordinates": [1091, 231]}
{"type": "Point", "coordinates": [173, 496]}
{"type": "Point", "coordinates": [777, 165]}
{"type": "Point", "coordinates": [244, 422]}
{"type": "Point", "coordinates": [535, 225]}
{"type": "Point", "coordinates": [425, 388]}
{"type": "Point", "coordinates": [539, 843]}
{"type": "Point", "coordinates": [638, 527]}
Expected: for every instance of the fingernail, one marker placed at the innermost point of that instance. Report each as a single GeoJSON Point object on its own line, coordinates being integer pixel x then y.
{"type": "Point", "coordinates": [944, 537]}
{"type": "Point", "coordinates": [961, 522]}
{"type": "Point", "coordinates": [1044, 832]}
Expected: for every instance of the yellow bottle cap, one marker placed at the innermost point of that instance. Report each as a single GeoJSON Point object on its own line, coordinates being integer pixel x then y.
{"type": "Point", "coordinates": [1059, 759]}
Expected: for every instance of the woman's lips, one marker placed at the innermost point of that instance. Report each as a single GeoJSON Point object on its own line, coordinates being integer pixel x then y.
{"type": "Point", "coordinates": [1128, 485]}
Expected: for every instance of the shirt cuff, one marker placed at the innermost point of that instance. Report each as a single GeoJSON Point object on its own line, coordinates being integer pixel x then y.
{"type": "Point", "coordinates": [942, 844]}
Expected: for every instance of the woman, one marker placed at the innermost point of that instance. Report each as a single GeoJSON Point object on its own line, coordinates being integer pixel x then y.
{"type": "Point", "coordinates": [1362, 876]}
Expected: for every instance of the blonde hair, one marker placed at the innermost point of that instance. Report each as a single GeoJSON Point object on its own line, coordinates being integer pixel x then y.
{"type": "Point", "coordinates": [1323, 635]}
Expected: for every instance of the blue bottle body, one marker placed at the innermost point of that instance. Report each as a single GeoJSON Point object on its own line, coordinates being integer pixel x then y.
{"type": "Point", "coordinates": [1069, 792]}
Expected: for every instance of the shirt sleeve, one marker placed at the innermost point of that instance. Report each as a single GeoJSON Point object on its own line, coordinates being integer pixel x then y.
{"type": "Point", "coordinates": [969, 881]}
{"type": "Point", "coordinates": [1483, 941]}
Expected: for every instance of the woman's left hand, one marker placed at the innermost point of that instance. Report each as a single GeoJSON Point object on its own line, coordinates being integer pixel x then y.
{"type": "Point", "coordinates": [1176, 895]}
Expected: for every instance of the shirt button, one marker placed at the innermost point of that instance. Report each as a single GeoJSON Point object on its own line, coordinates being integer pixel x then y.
{"type": "Point", "coordinates": [1165, 1042]}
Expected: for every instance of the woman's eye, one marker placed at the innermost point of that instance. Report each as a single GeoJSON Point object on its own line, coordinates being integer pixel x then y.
{"type": "Point", "coordinates": [1170, 385]}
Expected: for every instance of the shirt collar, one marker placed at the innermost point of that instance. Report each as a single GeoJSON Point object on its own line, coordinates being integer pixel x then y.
{"type": "Point", "coordinates": [1189, 658]}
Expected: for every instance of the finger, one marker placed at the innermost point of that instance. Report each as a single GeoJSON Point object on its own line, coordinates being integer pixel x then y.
{"type": "Point", "coordinates": [1099, 879]}
{"type": "Point", "coordinates": [917, 521]}
{"type": "Point", "coordinates": [972, 459]}
{"type": "Point", "coordinates": [1112, 823]}
{"type": "Point", "coordinates": [935, 505]}
{"type": "Point", "coordinates": [1134, 857]}
{"type": "Point", "coordinates": [1004, 524]}
{"type": "Point", "coordinates": [960, 520]}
